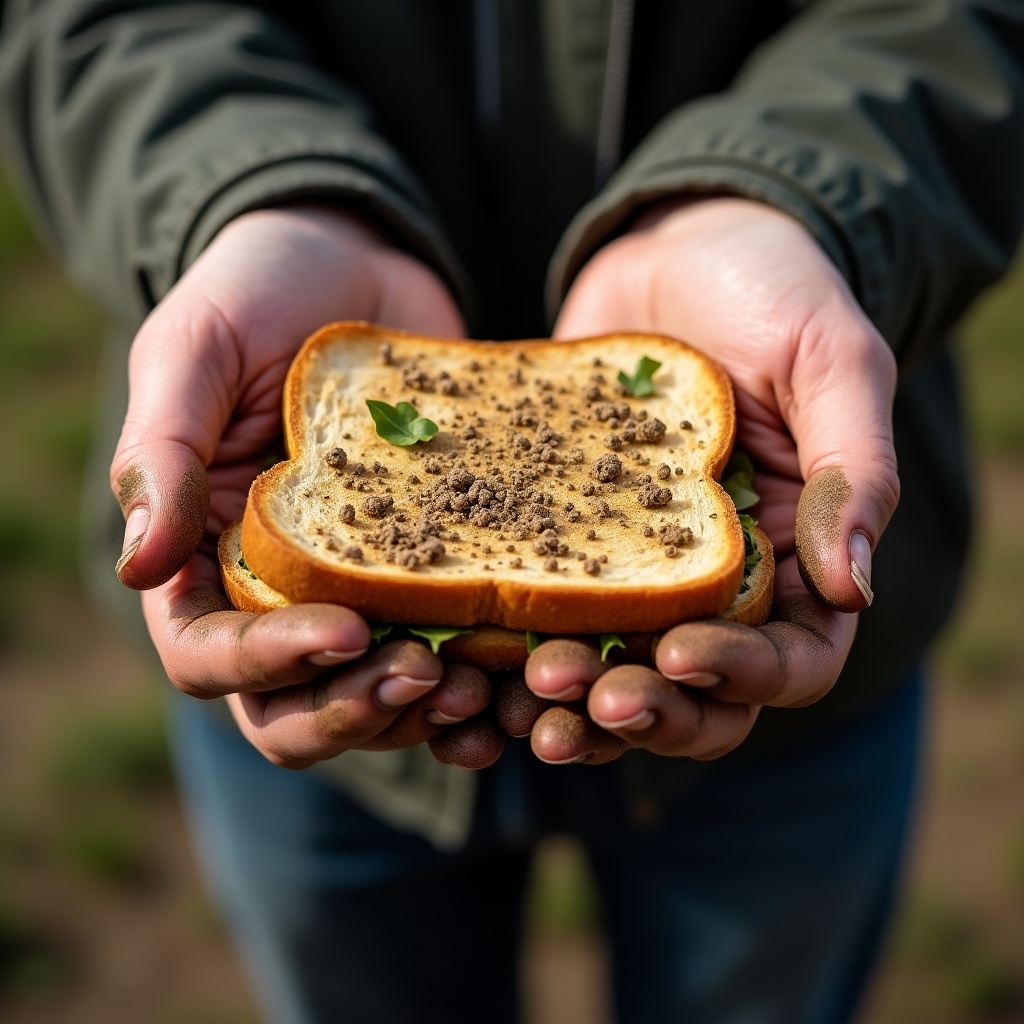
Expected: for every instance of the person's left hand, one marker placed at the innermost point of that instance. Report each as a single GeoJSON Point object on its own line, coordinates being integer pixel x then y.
{"type": "Point", "coordinates": [814, 385]}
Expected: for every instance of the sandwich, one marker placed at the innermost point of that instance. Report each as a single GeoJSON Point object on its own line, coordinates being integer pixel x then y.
{"type": "Point", "coordinates": [485, 494]}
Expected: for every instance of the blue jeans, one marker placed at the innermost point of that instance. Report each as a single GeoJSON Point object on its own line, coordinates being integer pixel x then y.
{"type": "Point", "coordinates": [757, 894]}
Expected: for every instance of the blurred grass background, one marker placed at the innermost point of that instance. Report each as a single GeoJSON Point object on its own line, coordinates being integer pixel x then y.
{"type": "Point", "coordinates": [101, 916]}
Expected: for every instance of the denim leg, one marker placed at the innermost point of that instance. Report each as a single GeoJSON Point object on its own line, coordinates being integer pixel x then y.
{"type": "Point", "coordinates": [762, 895]}
{"type": "Point", "coordinates": [340, 918]}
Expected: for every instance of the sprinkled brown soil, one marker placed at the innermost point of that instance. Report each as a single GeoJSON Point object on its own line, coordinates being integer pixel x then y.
{"type": "Point", "coordinates": [675, 535]}
{"type": "Point", "coordinates": [608, 468]}
{"type": "Point", "coordinates": [378, 506]}
{"type": "Point", "coordinates": [336, 458]}
{"type": "Point", "coordinates": [651, 431]}
{"type": "Point", "coordinates": [651, 496]}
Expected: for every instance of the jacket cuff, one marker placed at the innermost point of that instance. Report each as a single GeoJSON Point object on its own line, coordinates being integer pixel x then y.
{"type": "Point", "coordinates": [264, 179]}
{"type": "Point", "coordinates": [799, 184]}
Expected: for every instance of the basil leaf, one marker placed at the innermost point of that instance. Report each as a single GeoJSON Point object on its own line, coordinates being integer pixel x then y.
{"type": "Point", "coordinates": [738, 481]}
{"type": "Point", "coordinates": [751, 556]}
{"type": "Point", "coordinates": [608, 642]}
{"type": "Point", "coordinates": [640, 384]}
{"type": "Point", "coordinates": [400, 424]}
{"type": "Point", "coordinates": [244, 566]}
{"type": "Point", "coordinates": [379, 631]}
{"type": "Point", "coordinates": [436, 635]}
{"type": "Point", "coordinates": [532, 641]}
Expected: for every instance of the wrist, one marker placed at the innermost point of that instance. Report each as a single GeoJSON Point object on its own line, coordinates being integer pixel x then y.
{"type": "Point", "coordinates": [345, 223]}
{"type": "Point", "coordinates": [707, 209]}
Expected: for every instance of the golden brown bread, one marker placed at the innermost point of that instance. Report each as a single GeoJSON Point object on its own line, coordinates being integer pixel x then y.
{"type": "Point", "coordinates": [547, 500]}
{"type": "Point", "coordinates": [494, 648]}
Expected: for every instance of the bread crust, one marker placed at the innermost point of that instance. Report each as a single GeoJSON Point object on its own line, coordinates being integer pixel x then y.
{"type": "Point", "coordinates": [494, 648]}
{"type": "Point", "coordinates": [535, 601]}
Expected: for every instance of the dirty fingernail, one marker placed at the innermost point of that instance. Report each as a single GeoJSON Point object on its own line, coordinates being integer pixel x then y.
{"type": "Point", "coordinates": [134, 530]}
{"type": "Point", "coordinates": [325, 659]}
{"type": "Point", "coordinates": [435, 717]}
{"type": "Point", "coordinates": [573, 692]}
{"type": "Point", "coordinates": [643, 719]}
{"type": "Point", "coordinates": [567, 760]}
{"type": "Point", "coordinates": [705, 680]}
{"type": "Point", "coordinates": [397, 691]}
{"type": "Point", "coordinates": [860, 564]}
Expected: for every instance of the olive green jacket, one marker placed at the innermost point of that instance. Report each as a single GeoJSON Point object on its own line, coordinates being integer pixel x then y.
{"type": "Point", "coordinates": [503, 142]}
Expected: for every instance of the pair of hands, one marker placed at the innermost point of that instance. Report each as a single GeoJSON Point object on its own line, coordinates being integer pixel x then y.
{"type": "Point", "coordinates": [748, 285]}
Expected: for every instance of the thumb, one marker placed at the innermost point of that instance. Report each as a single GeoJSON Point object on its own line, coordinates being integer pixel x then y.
{"type": "Point", "coordinates": [179, 404]}
{"type": "Point", "coordinates": [843, 432]}
{"type": "Point", "coordinates": [164, 495]}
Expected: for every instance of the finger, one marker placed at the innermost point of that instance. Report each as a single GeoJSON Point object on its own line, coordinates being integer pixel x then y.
{"type": "Point", "coordinates": [463, 692]}
{"type": "Point", "coordinates": [208, 649]}
{"type": "Point", "coordinates": [566, 735]}
{"type": "Point", "coordinates": [475, 744]}
{"type": "Point", "coordinates": [840, 414]}
{"type": "Point", "coordinates": [649, 711]}
{"type": "Point", "coordinates": [182, 377]}
{"type": "Point", "coordinates": [563, 669]}
{"type": "Point", "coordinates": [516, 706]}
{"type": "Point", "coordinates": [791, 661]}
{"type": "Point", "coordinates": [300, 725]}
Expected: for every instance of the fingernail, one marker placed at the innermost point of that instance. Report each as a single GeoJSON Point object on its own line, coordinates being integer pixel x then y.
{"type": "Point", "coordinates": [398, 691]}
{"type": "Point", "coordinates": [643, 719]}
{"type": "Point", "coordinates": [327, 658]}
{"type": "Point", "coordinates": [573, 692]}
{"type": "Point", "coordinates": [705, 680]}
{"type": "Point", "coordinates": [134, 530]}
{"type": "Point", "coordinates": [860, 564]}
{"type": "Point", "coordinates": [435, 717]}
{"type": "Point", "coordinates": [567, 760]}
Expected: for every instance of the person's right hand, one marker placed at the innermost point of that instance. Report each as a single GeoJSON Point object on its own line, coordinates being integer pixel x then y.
{"type": "Point", "coordinates": [206, 372]}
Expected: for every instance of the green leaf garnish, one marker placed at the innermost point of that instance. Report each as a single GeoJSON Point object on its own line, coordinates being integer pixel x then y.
{"type": "Point", "coordinates": [751, 556]}
{"type": "Point", "coordinates": [640, 384]}
{"type": "Point", "coordinates": [244, 566]}
{"type": "Point", "coordinates": [379, 631]}
{"type": "Point", "coordinates": [608, 642]}
{"type": "Point", "coordinates": [400, 424]}
{"type": "Point", "coordinates": [532, 641]}
{"type": "Point", "coordinates": [436, 635]}
{"type": "Point", "coordinates": [738, 481]}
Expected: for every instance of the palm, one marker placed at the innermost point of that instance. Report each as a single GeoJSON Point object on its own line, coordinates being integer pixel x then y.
{"type": "Point", "coordinates": [262, 288]}
{"type": "Point", "coordinates": [698, 287]}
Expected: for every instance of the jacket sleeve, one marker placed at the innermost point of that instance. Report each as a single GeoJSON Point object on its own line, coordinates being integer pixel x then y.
{"type": "Point", "coordinates": [136, 131]}
{"type": "Point", "coordinates": [893, 131]}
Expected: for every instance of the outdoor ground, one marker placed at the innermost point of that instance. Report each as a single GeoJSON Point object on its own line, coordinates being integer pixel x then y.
{"type": "Point", "coordinates": [101, 915]}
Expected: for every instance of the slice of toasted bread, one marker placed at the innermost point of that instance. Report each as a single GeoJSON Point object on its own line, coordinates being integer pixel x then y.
{"type": "Point", "coordinates": [552, 500]}
{"type": "Point", "coordinates": [491, 648]}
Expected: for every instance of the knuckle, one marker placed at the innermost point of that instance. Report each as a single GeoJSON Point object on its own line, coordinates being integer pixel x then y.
{"type": "Point", "coordinates": [281, 759]}
{"type": "Point", "coordinates": [201, 689]}
{"type": "Point", "coordinates": [692, 729]}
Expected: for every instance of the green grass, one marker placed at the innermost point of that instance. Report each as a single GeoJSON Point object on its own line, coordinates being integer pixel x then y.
{"type": "Point", "coordinates": [30, 967]}
{"type": "Point", "coordinates": [562, 897]}
{"type": "Point", "coordinates": [983, 986]}
{"type": "Point", "coordinates": [994, 366]}
{"type": "Point", "coordinates": [17, 244]}
{"type": "Point", "coordinates": [936, 936]}
{"type": "Point", "coordinates": [1015, 861]}
{"type": "Point", "coordinates": [931, 931]}
{"type": "Point", "coordinates": [107, 847]}
{"type": "Point", "coordinates": [977, 655]}
{"type": "Point", "coordinates": [96, 754]}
